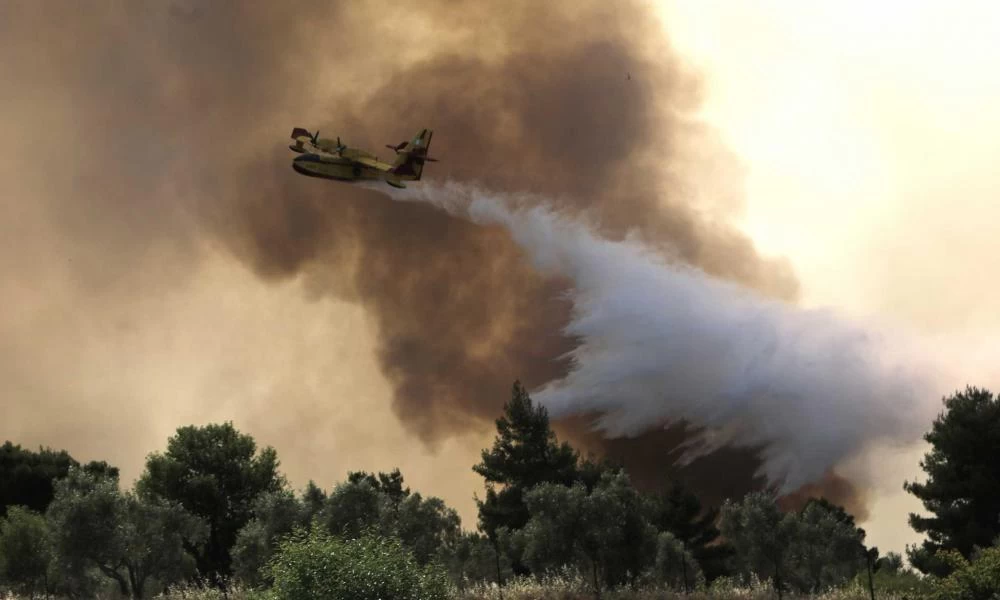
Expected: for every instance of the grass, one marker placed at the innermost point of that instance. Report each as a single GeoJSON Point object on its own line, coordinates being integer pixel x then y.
{"type": "Point", "coordinates": [568, 588]}
{"type": "Point", "coordinates": [562, 588]}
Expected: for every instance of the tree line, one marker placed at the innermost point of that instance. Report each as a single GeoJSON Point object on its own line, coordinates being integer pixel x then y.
{"type": "Point", "coordinates": [213, 508]}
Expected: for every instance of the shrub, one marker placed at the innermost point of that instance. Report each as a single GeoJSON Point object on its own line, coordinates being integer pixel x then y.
{"type": "Point", "coordinates": [976, 580]}
{"type": "Point", "coordinates": [903, 582]}
{"type": "Point", "coordinates": [24, 551]}
{"type": "Point", "coordinates": [314, 564]}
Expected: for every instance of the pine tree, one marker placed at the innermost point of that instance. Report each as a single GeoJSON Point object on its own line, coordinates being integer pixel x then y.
{"type": "Point", "coordinates": [963, 488]}
{"type": "Point", "coordinates": [525, 453]}
{"type": "Point", "coordinates": [678, 511]}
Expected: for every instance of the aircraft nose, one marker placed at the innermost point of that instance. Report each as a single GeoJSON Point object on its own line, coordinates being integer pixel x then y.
{"type": "Point", "coordinates": [297, 164]}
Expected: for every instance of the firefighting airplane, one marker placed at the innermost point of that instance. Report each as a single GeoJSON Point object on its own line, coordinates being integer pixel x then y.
{"type": "Point", "coordinates": [329, 159]}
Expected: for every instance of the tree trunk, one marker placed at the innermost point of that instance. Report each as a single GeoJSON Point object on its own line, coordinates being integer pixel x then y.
{"type": "Point", "coordinates": [138, 583]}
{"type": "Point", "coordinates": [113, 574]}
{"type": "Point", "coordinates": [597, 584]}
{"type": "Point", "coordinates": [777, 579]}
{"type": "Point", "coordinates": [684, 570]}
{"type": "Point", "coordinates": [871, 582]}
{"type": "Point", "coordinates": [496, 552]}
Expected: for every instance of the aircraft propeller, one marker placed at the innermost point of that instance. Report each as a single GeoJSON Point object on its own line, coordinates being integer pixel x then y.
{"type": "Point", "coordinates": [397, 147]}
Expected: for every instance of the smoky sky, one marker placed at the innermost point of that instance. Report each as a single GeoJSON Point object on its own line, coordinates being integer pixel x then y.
{"type": "Point", "coordinates": [155, 130]}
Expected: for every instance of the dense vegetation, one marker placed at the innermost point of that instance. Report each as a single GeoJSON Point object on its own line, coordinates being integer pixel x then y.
{"type": "Point", "coordinates": [213, 517]}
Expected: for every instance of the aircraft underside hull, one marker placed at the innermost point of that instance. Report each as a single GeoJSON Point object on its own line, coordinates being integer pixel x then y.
{"type": "Point", "coordinates": [334, 171]}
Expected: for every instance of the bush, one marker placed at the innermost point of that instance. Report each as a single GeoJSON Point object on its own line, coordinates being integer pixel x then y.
{"type": "Point", "coordinates": [314, 564]}
{"type": "Point", "coordinates": [24, 551]}
{"type": "Point", "coordinates": [976, 580]}
{"type": "Point", "coordinates": [903, 582]}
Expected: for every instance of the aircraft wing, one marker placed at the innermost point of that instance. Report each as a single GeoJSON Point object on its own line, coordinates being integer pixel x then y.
{"type": "Point", "coordinates": [371, 162]}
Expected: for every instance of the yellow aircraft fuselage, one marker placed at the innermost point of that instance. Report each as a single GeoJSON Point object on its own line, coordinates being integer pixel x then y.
{"type": "Point", "coordinates": [335, 167]}
{"type": "Point", "coordinates": [327, 159]}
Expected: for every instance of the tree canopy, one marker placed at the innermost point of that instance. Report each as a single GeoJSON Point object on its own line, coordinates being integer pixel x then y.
{"type": "Point", "coordinates": [128, 538]}
{"type": "Point", "coordinates": [679, 511]}
{"type": "Point", "coordinates": [27, 477]}
{"type": "Point", "coordinates": [216, 473]}
{"type": "Point", "coordinates": [525, 453]}
{"type": "Point", "coordinates": [962, 491]}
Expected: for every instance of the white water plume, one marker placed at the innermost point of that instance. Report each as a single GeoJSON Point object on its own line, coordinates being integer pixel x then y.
{"type": "Point", "coordinates": [664, 342]}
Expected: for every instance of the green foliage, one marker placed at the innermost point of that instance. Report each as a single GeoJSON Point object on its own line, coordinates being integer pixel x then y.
{"type": "Point", "coordinates": [368, 503]}
{"type": "Point", "coordinates": [890, 563]}
{"type": "Point", "coordinates": [978, 579]}
{"type": "Point", "coordinates": [276, 514]}
{"type": "Point", "coordinates": [128, 538]}
{"type": "Point", "coordinates": [387, 484]}
{"type": "Point", "coordinates": [234, 590]}
{"type": "Point", "coordinates": [525, 453]}
{"type": "Point", "coordinates": [887, 582]}
{"type": "Point", "coordinates": [762, 536]}
{"type": "Point", "coordinates": [675, 567]}
{"type": "Point", "coordinates": [26, 477]}
{"type": "Point", "coordinates": [552, 536]}
{"type": "Point", "coordinates": [604, 532]}
{"type": "Point", "coordinates": [427, 526]}
{"type": "Point", "coordinates": [811, 550]}
{"type": "Point", "coordinates": [962, 492]}
{"type": "Point", "coordinates": [313, 499]}
{"type": "Point", "coordinates": [354, 507]}
{"type": "Point", "coordinates": [316, 565]}
{"type": "Point", "coordinates": [216, 473]}
{"type": "Point", "coordinates": [473, 559]}
{"type": "Point", "coordinates": [24, 551]}
{"type": "Point", "coordinates": [828, 549]}
{"type": "Point", "coordinates": [631, 545]}
{"type": "Point", "coordinates": [681, 513]}
{"type": "Point", "coordinates": [363, 504]}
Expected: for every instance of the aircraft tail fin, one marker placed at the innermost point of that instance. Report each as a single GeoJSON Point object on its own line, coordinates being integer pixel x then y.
{"type": "Point", "coordinates": [300, 134]}
{"type": "Point", "coordinates": [412, 155]}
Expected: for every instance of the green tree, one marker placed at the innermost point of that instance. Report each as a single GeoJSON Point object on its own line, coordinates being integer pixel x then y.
{"type": "Point", "coordinates": [828, 548]}
{"type": "Point", "coordinates": [364, 504]}
{"type": "Point", "coordinates": [388, 484]}
{"type": "Point", "coordinates": [603, 532]}
{"type": "Point", "coordinates": [892, 562]}
{"type": "Point", "coordinates": [762, 536]}
{"type": "Point", "coordinates": [525, 453]}
{"type": "Point", "coordinates": [675, 566]}
{"type": "Point", "coordinates": [275, 514]}
{"type": "Point", "coordinates": [24, 551]}
{"type": "Point", "coordinates": [976, 579]}
{"type": "Point", "coordinates": [381, 503]}
{"type": "Point", "coordinates": [678, 511]}
{"type": "Point", "coordinates": [962, 491]}
{"type": "Point", "coordinates": [426, 526]}
{"type": "Point", "coordinates": [313, 499]}
{"type": "Point", "coordinates": [26, 477]}
{"type": "Point", "coordinates": [128, 538]}
{"type": "Point", "coordinates": [354, 508]}
{"type": "Point", "coordinates": [473, 560]}
{"type": "Point", "coordinates": [215, 473]}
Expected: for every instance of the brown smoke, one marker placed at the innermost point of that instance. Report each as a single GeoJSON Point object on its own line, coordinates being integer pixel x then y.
{"type": "Point", "coordinates": [189, 106]}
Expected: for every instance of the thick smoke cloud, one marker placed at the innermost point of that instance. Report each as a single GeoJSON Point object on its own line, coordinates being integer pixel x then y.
{"type": "Point", "coordinates": [152, 135]}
